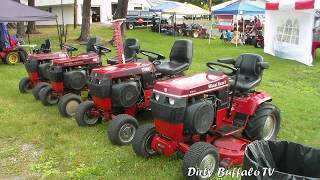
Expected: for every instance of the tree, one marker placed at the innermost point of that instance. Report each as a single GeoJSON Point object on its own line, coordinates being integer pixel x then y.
{"type": "Point", "coordinates": [20, 26]}
{"type": "Point", "coordinates": [75, 14]}
{"type": "Point", "coordinates": [31, 28]}
{"type": "Point", "coordinates": [85, 26]}
{"type": "Point", "coordinates": [121, 12]}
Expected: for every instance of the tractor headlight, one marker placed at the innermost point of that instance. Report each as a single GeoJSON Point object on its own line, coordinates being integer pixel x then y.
{"type": "Point", "coordinates": [171, 101]}
{"type": "Point", "coordinates": [157, 97]}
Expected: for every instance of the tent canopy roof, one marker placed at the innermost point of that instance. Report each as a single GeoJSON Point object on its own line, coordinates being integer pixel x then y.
{"type": "Point", "coordinates": [179, 8]}
{"type": "Point", "coordinates": [290, 4]}
{"type": "Point", "coordinates": [11, 11]}
{"type": "Point", "coordinates": [239, 8]}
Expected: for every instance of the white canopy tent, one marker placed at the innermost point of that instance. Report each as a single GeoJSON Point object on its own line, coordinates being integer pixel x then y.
{"type": "Point", "coordinates": [289, 25]}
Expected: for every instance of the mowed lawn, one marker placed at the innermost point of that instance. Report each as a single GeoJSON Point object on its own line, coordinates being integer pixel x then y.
{"type": "Point", "coordinates": [35, 142]}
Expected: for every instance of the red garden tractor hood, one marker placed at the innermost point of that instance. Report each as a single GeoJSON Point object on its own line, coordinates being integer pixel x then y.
{"type": "Point", "coordinates": [48, 56]}
{"type": "Point", "coordinates": [77, 60]}
{"type": "Point", "coordinates": [187, 86]}
{"type": "Point", "coordinates": [123, 70]}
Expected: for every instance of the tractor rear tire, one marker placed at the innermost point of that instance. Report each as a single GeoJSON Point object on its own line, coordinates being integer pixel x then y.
{"type": "Point", "coordinates": [200, 155]}
{"type": "Point", "coordinates": [141, 142]}
{"type": "Point", "coordinates": [46, 98]}
{"type": "Point", "coordinates": [12, 58]}
{"type": "Point", "coordinates": [254, 42]}
{"type": "Point", "coordinates": [68, 104]}
{"type": "Point", "coordinates": [36, 90]}
{"type": "Point", "coordinates": [266, 116]}
{"type": "Point", "coordinates": [25, 85]}
{"type": "Point", "coordinates": [122, 129]}
{"type": "Point", "coordinates": [83, 117]}
{"type": "Point", "coordinates": [23, 54]}
{"type": "Point", "coordinates": [259, 44]}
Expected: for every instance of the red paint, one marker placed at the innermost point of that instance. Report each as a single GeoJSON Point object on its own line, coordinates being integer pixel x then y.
{"type": "Point", "coordinates": [231, 150]}
{"type": "Point", "coordinates": [172, 131]}
{"type": "Point", "coordinates": [299, 5]}
{"type": "Point", "coordinates": [163, 145]}
{"type": "Point", "coordinates": [132, 111]}
{"type": "Point", "coordinates": [34, 77]}
{"type": "Point", "coordinates": [248, 105]}
{"type": "Point", "coordinates": [146, 103]}
{"type": "Point", "coordinates": [57, 86]}
{"type": "Point", "coordinates": [126, 70]}
{"type": "Point", "coordinates": [272, 5]}
{"type": "Point", "coordinates": [201, 83]}
{"type": "Point", "coordinates": [48, 56]}
{"type": "Point", "coordinates": [104, 104]}
{"type": "Point", "coordinates": [118, 40]}
{"type": "Point", "coordinates": [80, 60]}
{"type": "Point", "coordinates": [304, 4]}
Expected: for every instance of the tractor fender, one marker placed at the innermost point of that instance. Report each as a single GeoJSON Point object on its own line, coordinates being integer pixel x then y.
{"type": "Point", "coordinates": [248, 105]}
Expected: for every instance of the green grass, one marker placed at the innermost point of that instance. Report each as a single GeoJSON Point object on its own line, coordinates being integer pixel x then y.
{"type": "Point", "coordinates": [35, 142]}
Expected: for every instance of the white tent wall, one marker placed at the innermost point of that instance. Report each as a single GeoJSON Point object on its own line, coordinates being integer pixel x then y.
{"type": "Point", "coordinates": [280, 39]}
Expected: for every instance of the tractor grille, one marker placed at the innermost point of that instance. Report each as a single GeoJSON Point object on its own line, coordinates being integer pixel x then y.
{"type": "Point", "coordinates": [167, 113]}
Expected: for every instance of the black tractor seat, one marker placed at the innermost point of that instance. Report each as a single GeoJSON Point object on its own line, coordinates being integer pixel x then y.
{"type": "Point", "coordinates": [180, 58]}
{"type": "Point", "coordinates": [44, 48]}
{"type": "Point", "coordinates": [131, 49]}
{"type": "Point", "coordinates": [251, 70]}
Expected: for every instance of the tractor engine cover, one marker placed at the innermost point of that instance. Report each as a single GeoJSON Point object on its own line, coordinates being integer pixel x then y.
{"type": "Point", "coordinates": [199, 117]}
{"type": "Point", "coordinates": [125, 94]}
{"type": "Point", "coordinates": [31, 65]}
{"type": "Point", "coordinates": [75, 80]}
{"type": "Point", "coordinates": [43, 70]}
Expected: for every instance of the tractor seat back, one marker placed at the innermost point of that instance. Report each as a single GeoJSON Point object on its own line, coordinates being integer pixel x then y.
{"type": "Point", "coordinates": [131, 48]}
{"type": "Point", "coordinates": [91, 43]}
{"type": "Point", "coordinates": [180, 58]}
{"type": "Point", "coordinates": [45, 47]}
{"type": "Point", "coordinates": [251, 70]}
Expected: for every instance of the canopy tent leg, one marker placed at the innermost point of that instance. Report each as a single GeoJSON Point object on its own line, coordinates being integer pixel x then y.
{"type": "Point", "coordinates": [237, 31]}
{"type": "Point", "coordinates": [160, 22]}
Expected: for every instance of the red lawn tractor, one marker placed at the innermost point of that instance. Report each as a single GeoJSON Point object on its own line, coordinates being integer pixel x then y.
{"type": "Point", "coordinates": [67, 77]}
{"type": "Point", "coordinates": [209, 118]}
{"type": "Point", "coordinates": [258, 40]}
{"type": "Point", "coordinates": [37, 64]}
{"type": "Point", "coordinates": [118, 92]}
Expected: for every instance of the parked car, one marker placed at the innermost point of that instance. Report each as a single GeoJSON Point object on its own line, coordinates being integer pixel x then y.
{"type": "Point", "coordinates": [140, 18]}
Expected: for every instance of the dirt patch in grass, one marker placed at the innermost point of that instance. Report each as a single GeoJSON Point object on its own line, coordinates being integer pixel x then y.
{"type": "Point", "coordinates": [16, 158]}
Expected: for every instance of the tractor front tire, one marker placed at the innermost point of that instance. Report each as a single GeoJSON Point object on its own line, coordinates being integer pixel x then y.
{"type": "Point", "coordinates": [141, 142]}
{"type": "Point", "coordinates": [264, 124]}
{"type": "Point", "coordinates": [83, 116]}
{"type": "Point", "coordinates": [195, 34]}
{"type": "Point", "coordinates": [12, 58]}
{"type": "Point", "coordinates": [201, 155]}
{"type": "Point", "coordinates": [122, 129]}
{"type": "Point", "coordinates": [259, 44]}
{"type": "Point", "coordinates": [68, 104]}
{"type": "Point", "coordinates": [25, 85]}
{"type": "Point", "coordinates": [46, 96]}
{"type": "Point", "coordinates": [36, 90]}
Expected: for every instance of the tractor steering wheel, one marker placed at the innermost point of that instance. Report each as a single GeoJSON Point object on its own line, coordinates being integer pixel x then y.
{"type": "Point", "coordinates": [101, 49]}
{"type": "Point", "coordinates": [212, 64]}
{"type": "Point", "coordinates": [69, 48]}
{"type": "Point", "coordinates": [153, 57]}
